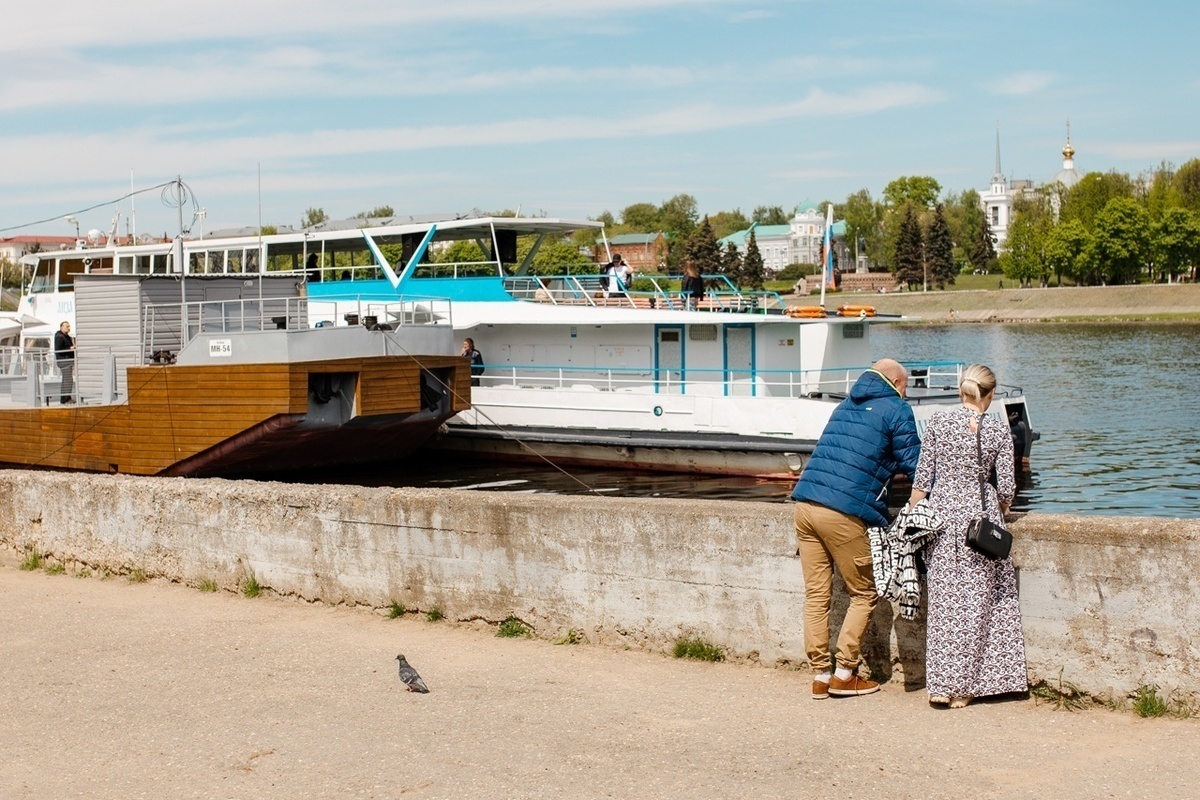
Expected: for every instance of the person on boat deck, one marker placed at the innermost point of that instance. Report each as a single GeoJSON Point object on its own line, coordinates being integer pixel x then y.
{"type": "Point", "coordinates": [64, 356]}
{"type": "Point", "coordinates": [312, 269]}
{"type": "Point", "coordinates": [607, 272]}
{"type": "Point", "coordinates": [870, 437]}
{"type": "Point", "coordinates": [468, 349]}
{"type": "Point", "coordinates": [623, 273]}
{"type": "Point", "coordinates": [692, 285]}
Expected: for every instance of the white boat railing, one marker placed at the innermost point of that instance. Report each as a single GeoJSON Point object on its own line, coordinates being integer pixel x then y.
{"type": "Point", "coordinates": [664, 292]}
{"type": "Point", "coordinates": [929, 379]}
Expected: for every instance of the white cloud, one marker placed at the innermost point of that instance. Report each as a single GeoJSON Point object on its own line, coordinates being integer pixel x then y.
{"type": "Point", "coordinates": [1153, 151]}
{"type": "Point", "coordinates": [77, 23]}
{"type": "Point", "coordinates": [1022, 83]}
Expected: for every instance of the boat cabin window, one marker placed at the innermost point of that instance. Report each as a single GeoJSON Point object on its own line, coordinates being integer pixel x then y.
{"type": "Point", "coordinates": [152, 264]}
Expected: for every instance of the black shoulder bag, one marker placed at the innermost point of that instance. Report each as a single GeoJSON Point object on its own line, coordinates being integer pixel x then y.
{"type": "Point", "coordinates": [983, 535]}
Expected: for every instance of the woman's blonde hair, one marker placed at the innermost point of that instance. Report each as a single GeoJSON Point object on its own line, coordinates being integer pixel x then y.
{"type": "Point", "coordinates": [977, 382]}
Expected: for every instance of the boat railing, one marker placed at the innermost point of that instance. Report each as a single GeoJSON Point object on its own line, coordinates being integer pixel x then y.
{"type": "Point", "coordinates": [834, 383]}
{"type": "Point", "coordinates": [354, 309]}
{"type": "Point", "coordinates": [644, 291]}
{"type": "Point", "coordinates": [18, 362]}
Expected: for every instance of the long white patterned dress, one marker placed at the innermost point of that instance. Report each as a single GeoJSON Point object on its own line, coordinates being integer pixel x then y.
{"type": "Point", "coordinates": [974, 645]}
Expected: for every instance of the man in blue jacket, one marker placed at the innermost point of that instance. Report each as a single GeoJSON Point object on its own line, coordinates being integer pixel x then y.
{"type": "Point", "coordinates": [870, 437]}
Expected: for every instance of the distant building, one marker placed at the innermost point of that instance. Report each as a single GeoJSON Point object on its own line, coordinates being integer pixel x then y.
{"type": "Point", "coordinates": [13, 247]}
{"type": "Point", "coordinates": [798, 242]}
{"type": "Point", "coordinates": [644, 252]}
{"type": "Point", "coordinates": [997, 202]}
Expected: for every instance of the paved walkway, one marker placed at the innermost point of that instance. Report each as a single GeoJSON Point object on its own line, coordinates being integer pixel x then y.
{"type": "Point", "coordinates": [119, 690]}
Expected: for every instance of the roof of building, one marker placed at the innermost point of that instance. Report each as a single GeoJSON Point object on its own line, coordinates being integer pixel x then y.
{"type": "Point", "coordinates": [634, 238]}
{"type": "Point", "coordinates": [772, 231]}
{"type": "Point", "coordinates": [806, 206]}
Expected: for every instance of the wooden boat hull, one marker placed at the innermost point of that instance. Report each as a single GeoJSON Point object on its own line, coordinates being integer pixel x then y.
{"type": "Point", "coordinates": [246, 418]}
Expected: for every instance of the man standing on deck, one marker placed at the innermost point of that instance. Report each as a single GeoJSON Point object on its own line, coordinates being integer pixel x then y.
{"type": "Point", "coordinates": [842, 491]}
{"type": "Point", "coordinates": [64, 357]}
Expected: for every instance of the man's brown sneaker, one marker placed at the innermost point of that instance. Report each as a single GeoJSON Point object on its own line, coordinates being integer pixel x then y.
{"type": "Point", "coordinates": [820, 690]}
{"type": "Point", "coordinates": [851, 687]}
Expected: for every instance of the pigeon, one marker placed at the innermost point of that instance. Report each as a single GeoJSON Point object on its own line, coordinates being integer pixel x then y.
{"type": "Point", "coordinates": [410, 677]}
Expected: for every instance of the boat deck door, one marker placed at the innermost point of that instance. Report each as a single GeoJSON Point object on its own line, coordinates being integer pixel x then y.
{"type": "Point", "coordinates": [739, 360]}
{"type": "Point", "coordinates": [668, 359]}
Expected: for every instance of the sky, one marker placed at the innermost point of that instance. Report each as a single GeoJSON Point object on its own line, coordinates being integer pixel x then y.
{"type": "Point", "coordinates": [267, 108]}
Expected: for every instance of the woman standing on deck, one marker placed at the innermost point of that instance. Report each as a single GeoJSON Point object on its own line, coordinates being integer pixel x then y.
{"type": "Point", "coordinates": [974, 644]}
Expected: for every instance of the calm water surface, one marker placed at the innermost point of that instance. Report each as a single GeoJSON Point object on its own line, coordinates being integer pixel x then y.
{"type": "Point", "coordinates": [1117, 407]}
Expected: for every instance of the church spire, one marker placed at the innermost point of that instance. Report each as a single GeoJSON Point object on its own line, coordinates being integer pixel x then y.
{"type": "Point", "coordinates": [998, 176]}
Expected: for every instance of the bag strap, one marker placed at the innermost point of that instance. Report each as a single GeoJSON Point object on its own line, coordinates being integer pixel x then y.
{"type": "Point", "coordinates": [979, 458]}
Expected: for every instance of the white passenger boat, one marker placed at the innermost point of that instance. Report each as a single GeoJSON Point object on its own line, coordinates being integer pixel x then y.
{"type": "Point", "coordinates": [574, 373]}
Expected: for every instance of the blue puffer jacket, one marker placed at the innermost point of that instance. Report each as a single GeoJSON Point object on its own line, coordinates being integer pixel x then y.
{"type": "Point", "coordinates": [870, 437]}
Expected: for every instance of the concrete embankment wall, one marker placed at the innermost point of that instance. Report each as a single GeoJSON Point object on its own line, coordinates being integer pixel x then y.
{"type": "Point", "coordinates": [1111, 602]}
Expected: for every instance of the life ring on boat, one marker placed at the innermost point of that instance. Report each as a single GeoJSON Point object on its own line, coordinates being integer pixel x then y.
{"type": "Point", "coordinates": [856, 311]}
{"type": "Point", "coordinates": [805, 312]}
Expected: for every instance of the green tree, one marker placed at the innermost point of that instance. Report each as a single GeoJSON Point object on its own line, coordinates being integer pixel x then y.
{"type": "Point", "coordinates": [1176, 243]}
{"type": "Point", "coordinates": [1086, 199]}
{"type": "Point", "coordinates": [702, 248]}
{"type": "Point", "coordinates": [939, 250]}
{"type": "Point", "coordinates": [964, 216]}
{"type": "Point", "coordinates": [379, 212]}
{"type": "Point", "coordinates": [1120, 246]}
{"type": "Point", "coordinates": [1065, 247]}
{"type": "Point", "coordinates": [677, 217]}
{"type": "Point", "coordinates": [1187, 185]}
{"type": "Point", "coordinates": [1022, 261]}
{"type": "Point", "coordinates": [731, 262]}
{"type": "Point", "coordinates": [770, 215]}
{"type": "Point", "coordinates": [268, 230]}
{"type": "Point", "coordinates": [921, 190]}
{"type": "Point", "coordinates": [863, 217]}
{"type": "Point", "coordinates": [752, 265]}
{"type": "Point", "coordinates": [561, 257]}
{"type": "Point", "coordinates": [460, 251]}
{"type": "Point", "coordinates": [983, 250]}
{"type": "Point", "coordinates": [1160, 193]}
{"type": "Point", "coordinates": [313, 217]}
{"type": "Point", "coordinates": [909, 268]}
{"type": "Point", "coordinates": [727, 222]}
{"type": "Point", "coordinates": [641, 218]}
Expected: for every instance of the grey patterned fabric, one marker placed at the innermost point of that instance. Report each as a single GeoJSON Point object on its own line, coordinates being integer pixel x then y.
{"type": "Point", "coordinates": [974, 645]}
{"type": "Point", "coordinates": [894, 555]}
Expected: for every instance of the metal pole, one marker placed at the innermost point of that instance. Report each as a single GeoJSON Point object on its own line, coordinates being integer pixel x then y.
{"type": "Point", "coordinates": [179, 261]}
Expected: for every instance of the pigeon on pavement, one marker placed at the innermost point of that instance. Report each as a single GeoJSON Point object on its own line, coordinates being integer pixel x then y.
{"type": "Point", "coordinates": [410, 677]}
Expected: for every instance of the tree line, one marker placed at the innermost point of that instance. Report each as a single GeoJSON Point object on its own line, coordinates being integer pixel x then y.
{"type": "Point", "coordinates": [1108, 228]}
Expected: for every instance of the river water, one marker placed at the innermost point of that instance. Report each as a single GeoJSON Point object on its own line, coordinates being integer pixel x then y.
{"type": "Point", "coordinates": [1117, 408]}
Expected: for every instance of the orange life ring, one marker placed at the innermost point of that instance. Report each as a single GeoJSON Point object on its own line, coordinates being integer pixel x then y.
{"type": "Point", "coordinates": [856, 311]}
{"type": "Point", "coordinates": [805, 312]}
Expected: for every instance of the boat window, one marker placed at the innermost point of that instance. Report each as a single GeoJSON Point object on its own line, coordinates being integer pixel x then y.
{"type": "Point", "coordinates": [702, 333]}
{"type": "Point", "coordinates": [668, 336]}
{"type": "Point", "coordinates": [235, 261]}
{"type": "Point", "coordinates": [125, 265]}
{"type": "Point", "coordinates": [853, 330]}
{"type": "Point", "coordinates": [143, 265]}
{"type": "Point", "coordinates": [216, 262]}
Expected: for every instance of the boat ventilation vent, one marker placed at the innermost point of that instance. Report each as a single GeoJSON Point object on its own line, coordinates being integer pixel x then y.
{"type": "Point", "coordinates": [853, 330]}
{"type": "Point", "coordinates": [702, 333]}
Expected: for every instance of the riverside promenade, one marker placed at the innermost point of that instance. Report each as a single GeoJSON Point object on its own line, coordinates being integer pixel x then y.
{"type": "Point", "coordinates": [116, 689]}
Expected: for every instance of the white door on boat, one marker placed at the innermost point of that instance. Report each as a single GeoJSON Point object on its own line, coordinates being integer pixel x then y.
{"type": "Point", "coordinates": [668, 359]}
{"type": "Point", "coordinates": [739, 360]}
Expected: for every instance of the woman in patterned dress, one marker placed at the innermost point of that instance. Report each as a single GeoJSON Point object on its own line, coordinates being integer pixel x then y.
{"type": "Point", "coordinates": [974, 645]}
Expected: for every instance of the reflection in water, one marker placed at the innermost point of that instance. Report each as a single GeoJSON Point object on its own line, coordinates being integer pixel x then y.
{"type": "Point", "coordinates": [1115, 405]}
